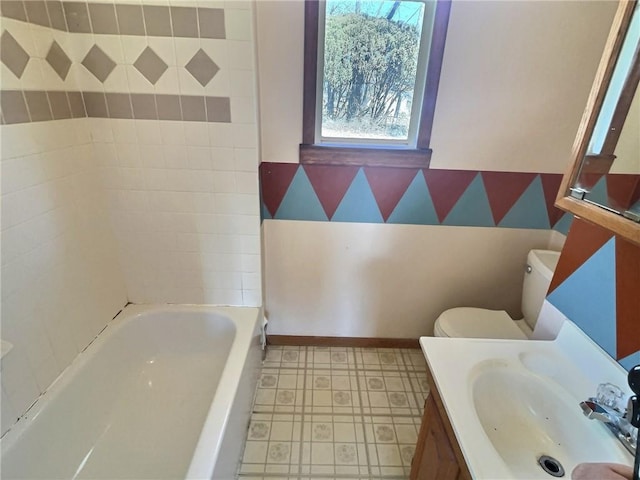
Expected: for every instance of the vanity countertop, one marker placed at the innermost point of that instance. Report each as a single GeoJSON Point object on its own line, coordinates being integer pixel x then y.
{"type": "Point", "coordinates": [511, 401]}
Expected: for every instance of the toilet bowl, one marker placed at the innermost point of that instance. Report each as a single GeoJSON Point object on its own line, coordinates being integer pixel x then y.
{"type": "Point", "coordinates": [472, 322]}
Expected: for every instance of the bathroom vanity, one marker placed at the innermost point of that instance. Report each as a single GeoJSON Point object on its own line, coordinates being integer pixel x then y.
{"type": "Point", "coordinates": [507, 409]}
{"type": "Point", "coordinates": [438, 455]}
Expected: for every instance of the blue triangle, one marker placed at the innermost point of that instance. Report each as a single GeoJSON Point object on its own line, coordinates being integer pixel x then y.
{"type": "Point", "coordinates": [530, 211]}
{"type": "Point", "coordinates": [301, 202]}
{"type": "Point", "coordinates": [358, 204]}
{"type": "Point", "coordinates": [599, 193]}
{"type": "Point", "coordinates": [630, 361]}
{"type": "Point", "coordinates": [472, 208]}
{"type": "Point", "coordinates": [564, 224]}
{"type": "Point", "coordinates": [415, 207]}
{"type": "Point", "coordinates": [264, 212]}
{"type": "Point", "coordinates": [588, 297]}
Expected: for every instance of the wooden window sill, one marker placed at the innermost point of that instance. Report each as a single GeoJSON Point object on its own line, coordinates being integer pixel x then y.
{"type": "Point", "coordinates": [380, 157]}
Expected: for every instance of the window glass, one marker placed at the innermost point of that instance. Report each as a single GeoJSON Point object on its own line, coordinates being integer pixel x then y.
{"type": "Point", "coordinates": [370, 83]}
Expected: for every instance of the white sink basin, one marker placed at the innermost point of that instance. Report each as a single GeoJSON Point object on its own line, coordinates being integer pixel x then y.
{"type": "Point", "coordinates": [512, 401]}
{"type": "Point", "coordinates": [526, 417]}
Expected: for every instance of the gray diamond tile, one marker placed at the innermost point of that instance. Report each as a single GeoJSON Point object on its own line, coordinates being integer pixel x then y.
{"type": "Point", "coordinates": [150, 65]}
{"type": "Point", "coordinates": [12, 54]}
{"type": "Point", "coordinates": [98, 63]}
{"type": "Point", "coordinates": [202, 67]}
{"type": "Point", "coordinates": [58, 60]}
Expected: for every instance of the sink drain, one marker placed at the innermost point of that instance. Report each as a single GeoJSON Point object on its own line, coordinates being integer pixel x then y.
{"type": "Point", "coordinates": [552, 466]}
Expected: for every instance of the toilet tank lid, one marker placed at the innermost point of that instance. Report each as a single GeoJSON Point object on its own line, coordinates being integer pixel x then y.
{"type": "Point", "coordinates": [544, 261]}
{"type": "Point", "coordinates": [471, 322]}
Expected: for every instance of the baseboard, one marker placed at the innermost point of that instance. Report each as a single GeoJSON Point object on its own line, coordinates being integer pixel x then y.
{"type": "Point", "coordinates": [361, 342]}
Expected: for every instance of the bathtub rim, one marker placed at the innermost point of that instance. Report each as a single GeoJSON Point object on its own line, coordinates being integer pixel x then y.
{"type": "Point", "coordinates": [207, 449]}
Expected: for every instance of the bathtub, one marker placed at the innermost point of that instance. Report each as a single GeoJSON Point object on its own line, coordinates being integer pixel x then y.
{"type": "Point", "coordinates": [162, 393]}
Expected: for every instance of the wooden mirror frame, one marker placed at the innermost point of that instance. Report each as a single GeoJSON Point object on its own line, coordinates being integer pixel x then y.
{"type": "Point", "coordinates": [588, 211]}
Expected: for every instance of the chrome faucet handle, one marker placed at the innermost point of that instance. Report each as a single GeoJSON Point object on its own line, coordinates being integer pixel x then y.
{"type": "Point", "coordinates": [610, 395]}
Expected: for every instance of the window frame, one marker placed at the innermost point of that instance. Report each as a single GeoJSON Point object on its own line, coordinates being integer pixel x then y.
{"type": "Point", "coordinates": [374, 155]}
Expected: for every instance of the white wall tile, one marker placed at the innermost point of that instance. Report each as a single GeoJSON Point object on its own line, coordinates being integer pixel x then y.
{"type": "Point", "coordinates": [118, 80]}
{"type": "Point", "coordinates": [168, 83]}
{"type": "Point", "coordinates": [196, 134]}
{"type": "Point", "coordinates": [244, 135]}
{"type": "Point", "coordinates": [240, 55]}
{"type": "Point", "coordinates": [148, 132]}
{"type": "Point", "coordinates": [55, 250]}
{"type": "Point", "coordinates": [132, 47]}
{"type": "Point", "coordinates": [243, 109]}
{"type": "Point", "coordinates": [199, 158]}
{"type": "Point", "coordinates": [124, 131]}
{"type": "Point", "coordinates": [221, 135]}
{"type": "Point", "coordinates": [172, 133]}
{"type": "Point", "coordinates": [178, 196]}
{"type": "Point", "coordinates": [237, 24]}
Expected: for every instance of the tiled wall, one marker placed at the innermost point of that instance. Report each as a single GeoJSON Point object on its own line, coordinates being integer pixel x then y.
{"type": "Point", "coordinates": [596, 285]}
{"type": "Point", "coordinates": [411, 196]}
{"type": "Point", "coordinates": [167, 161]}
{"type": "Point", "coordinates": [171, 93]}
{"type": "Point", "coordinates": [61, 277]}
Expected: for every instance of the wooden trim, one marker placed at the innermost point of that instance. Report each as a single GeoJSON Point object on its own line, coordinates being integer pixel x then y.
{"type": "Point", "coordinates": [590, 212]}
{"type": "Point", "coordinates": [419, 157]}
{"type": "Point", "coordinates": [600, 216]}
{"type": "Point", "coordinates": [360, 342]}
{"type": "Point", "coordinates": [436, 54]}
{"type": "Point", "coordinates": [382, 157]}
{"type": "Point", "coordinates": [435, 394]}
{"type": "Point", "coordinates": [311, 15]}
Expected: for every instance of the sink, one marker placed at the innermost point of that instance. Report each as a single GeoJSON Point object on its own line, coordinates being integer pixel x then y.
{"type": "Point", "coordinates": [526, 416]}
{"type": "Point", "coordinates": [513, 402]}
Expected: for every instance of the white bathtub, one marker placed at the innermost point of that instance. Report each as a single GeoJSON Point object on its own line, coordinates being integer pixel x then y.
{"type": "Point", "coordinates": [162, 393]}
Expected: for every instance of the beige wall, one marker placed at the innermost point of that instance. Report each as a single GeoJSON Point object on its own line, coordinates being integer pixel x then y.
{"type": "Point", "coordinates": [376, 280]}
{"type": "Point", "coordinates": [515, 80]}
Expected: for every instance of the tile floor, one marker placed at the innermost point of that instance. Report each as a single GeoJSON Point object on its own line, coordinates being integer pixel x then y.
{"type": "Point", "coordinates": [325, 413]}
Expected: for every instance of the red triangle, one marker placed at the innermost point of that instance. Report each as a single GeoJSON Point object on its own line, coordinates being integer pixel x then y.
{"type": "Point", "coordinates": [627, 298]}
{"type": "Point", "coordinates": [584, 239]}
{"type": "Point", "coordinates": [446, 187]}
{"type": "Point", "coordinates": [550, 186]}
{"type": "Point", "coordinates": [389, 185]}
{"type": "Point", "coordinates": [622, 188]}
{"type": "Point", "coordinates": [504, 189]}
{"type": "Point", "coordinates": [330, 183]}
{"type": "Point", "coordinates": [275, 179]}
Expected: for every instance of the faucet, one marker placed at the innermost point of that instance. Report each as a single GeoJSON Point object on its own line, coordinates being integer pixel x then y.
{"type": "Point", "coordinates": [604, 408]}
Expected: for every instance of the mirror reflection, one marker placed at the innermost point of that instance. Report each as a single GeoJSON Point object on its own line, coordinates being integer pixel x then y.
{"type": "Point", "coordinates": [610, 171]}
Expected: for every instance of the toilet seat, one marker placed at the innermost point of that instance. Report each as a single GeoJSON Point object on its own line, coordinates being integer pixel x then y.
{"type": "Point", "coordinates": [477, 323]}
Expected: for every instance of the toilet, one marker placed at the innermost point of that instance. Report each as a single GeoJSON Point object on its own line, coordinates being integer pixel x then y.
{"type": "Point", "coordinates": [482, 323]}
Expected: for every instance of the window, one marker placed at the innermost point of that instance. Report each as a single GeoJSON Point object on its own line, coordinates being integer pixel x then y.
{"type": "Point", "coordinates": [371, 78]}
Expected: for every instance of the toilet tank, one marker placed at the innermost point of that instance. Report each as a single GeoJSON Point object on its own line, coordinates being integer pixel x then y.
{"type": "Point", "coordinates": [540, 267]}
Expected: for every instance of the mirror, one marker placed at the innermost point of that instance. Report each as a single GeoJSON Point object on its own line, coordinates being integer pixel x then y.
{"type": "Point", "coordinates": [602, 183]}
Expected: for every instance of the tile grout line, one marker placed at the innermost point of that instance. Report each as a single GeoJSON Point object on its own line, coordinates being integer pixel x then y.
{"type": "Point", "coordinates": [364, 430]}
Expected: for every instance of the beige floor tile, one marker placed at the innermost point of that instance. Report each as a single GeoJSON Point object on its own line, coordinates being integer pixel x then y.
{"type": "Point", "coordinates": [335, 413]}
